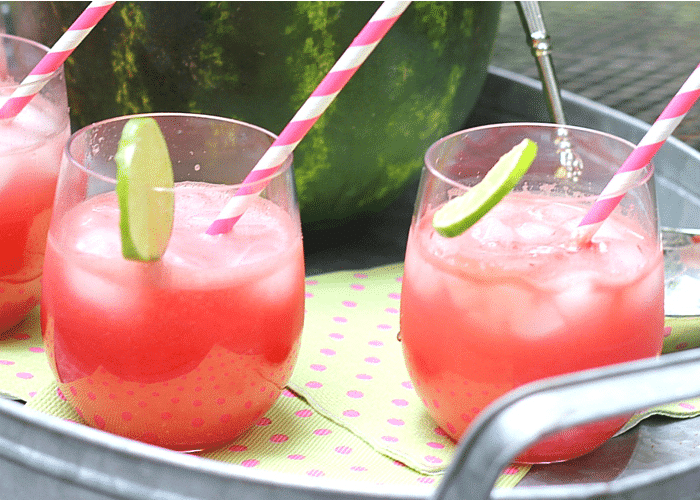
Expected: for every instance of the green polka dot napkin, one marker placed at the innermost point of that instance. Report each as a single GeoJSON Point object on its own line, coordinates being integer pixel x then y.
{"type": "Point", "coordinates": [23, 366]}
{"type": "Point", "coordinates": [350, 411]}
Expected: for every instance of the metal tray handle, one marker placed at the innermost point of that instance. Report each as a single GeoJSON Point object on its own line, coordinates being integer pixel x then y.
{"type": "Point", "coordinates": [524, 416]}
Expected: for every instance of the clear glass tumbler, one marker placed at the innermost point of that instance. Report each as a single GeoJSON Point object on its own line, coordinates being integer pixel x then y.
{"type": "Point", "coordinates": [188, 351]}
{"type": "Point", "coordinates": [512, 300]}
{"type": "Point", "coordinates": [30, 155]}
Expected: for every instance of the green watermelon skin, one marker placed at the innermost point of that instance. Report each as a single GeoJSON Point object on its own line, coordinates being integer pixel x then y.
{"type": "Point", "coordinates": [259, 61]}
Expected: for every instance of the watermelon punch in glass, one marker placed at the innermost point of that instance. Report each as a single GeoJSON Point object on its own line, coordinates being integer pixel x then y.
{"type": "Point", "coordinates": [188, 351]}
{"type": "Point", "coordinates": [511, 300]}
{"type": "Point", "coordinates": [30, 155]}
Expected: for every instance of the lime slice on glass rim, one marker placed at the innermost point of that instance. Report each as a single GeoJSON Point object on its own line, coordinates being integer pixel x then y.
{"type": "Point", "coordinates": [144, 190]}
{"type": "Point", "coordinates": [463, 211]}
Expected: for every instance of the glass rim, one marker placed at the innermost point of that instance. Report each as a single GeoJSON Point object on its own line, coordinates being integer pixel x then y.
{"type": "Point", "coordinates": [429, 165]}
{"type": "Point", "coordinates": [286, 164]}
{"type": "Point", "coordinates": [33, 43]}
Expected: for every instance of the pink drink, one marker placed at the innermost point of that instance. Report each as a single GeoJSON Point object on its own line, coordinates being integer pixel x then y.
{"type": "Point", "coordinates": [186, 352]}
{"type": "Point", "coordinates": [517, 304]}
{"type": "Point", "coordinates": [30, 155]}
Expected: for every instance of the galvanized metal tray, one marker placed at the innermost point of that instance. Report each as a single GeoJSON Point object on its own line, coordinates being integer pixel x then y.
{"type": "Point", "coordinates": [45, 457]}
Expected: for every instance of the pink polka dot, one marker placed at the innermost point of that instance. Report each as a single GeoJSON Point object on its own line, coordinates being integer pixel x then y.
{"type": "Point", "coordinates": [60, 394]}
{"type": "Point", "coordinates": [395, 296]}
{"type": "Point", "coordinates": [279, 438]}
{"type": "Point", "coordinates": [91, 396]}
{"type": "Point", "coordinates": [349, 303]}
{"type": "Point", "coordinates": [289, 394]}
{"type": "Point", "coordinates": [197, 402]}
{"type": "Point", "coordinates": [318, 368]}
{"type": "Point", "coordinates": [315, 473]}
{"type": "Point", "coordinates": [296, 457]}
{"type": "Point", "coordinates": [251, 462]}
{"type": "Point", "coordinates": [375, 343]}
{"type": "Point", "coordinates": [197, 422]}
{"type": "Point", "coordinates": [237, 447]}
{"type": "Point", "coordinates": [126, 416]}
{"type": "Point", "coordinates": [304, 413]}
{"type": "Point", "coordinates": [336, 336]}
{"type": "Point", "coordinates": [391, 310]}
{"type": "Point", "coordinates": [384, 326]}
{"type": "Point", "coordinates": [511, 470]}
{"type": "Point", "coordinates": [433, 460]}
{"type": "Point", "coordinates": [340, 319]}
{"type": "Point", "coordinates": [32, 394]}
{"type": "Point", "coordinates": [343, 450]}
{"type": "Point", "coordinates": [400, 402]}
{"type": "Point", "coordinates": [399, 279]}
{"type": "Point", "coordinates": [439, 431]}
{"type": "Point", "coordinates": [360, 276]}
{"type": "Point", "coordinates": [687, 406]}
{"type": "Point", "coordinates": [322, 432]}
{"type": "Point", "coordinates": [36, 349]}
{"type": "Point", "coordinates": [99, 422]}
{"type": "Point", "coordinates": [372, 360]}
{"type": "Point", "coordinates": [396, 421]}
{"type": "Point", "coordinates": [351, 413]}
{"type": "Point", "coordinates": [314, 385]}
{"type": "Point", "coordinates": [363, 376]}
{"type": "Point", "coordinates": [358, 468]}
{"type": "Point", "coordinates": [308, 295]}
{"type": "Point", "coordinates": [6, 362]}
{"type": "Point", "coordinates": [437, 446]}
{"type": "Point", "coordinates": [312, 282]}
{"type": "Point", "coordinates": [390, 439]}
{"type": "Point", "coordinates": [667, 331]}
{"type": "Point", "coordinates": [264, 421]}
{"type": "Point", "coordinates": [426, 480]}
{"type": "Point", "coordinates": [225, 418]}
{"type": "Point", "coordinates": [166, 415]}
{"type": "Point", "coordinates": [357, 286]}
{"type": "Point", "coordinates": [407, 384]}
{"type": "Point", "coordinates": [328, 352]}
{"type": "Point", "coordinates": [25, 375]}
{"type": "Point", "coordinates": [355, 394]}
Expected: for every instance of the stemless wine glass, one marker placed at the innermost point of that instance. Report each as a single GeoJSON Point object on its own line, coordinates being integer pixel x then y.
{"type": "Point", "coordinates": [512, 299]}
{"type": "Point", "coordinates": [30, 154]}
{"type": "Point", "coordinates": [188, 351]}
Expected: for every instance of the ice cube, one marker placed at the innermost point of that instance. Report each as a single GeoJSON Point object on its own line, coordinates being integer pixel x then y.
{"type": "Point", "coordinates": [101, 242]}
{"type": "Point", "coordinates": [103, 293]}
{"type": "Point", "coordinates": [506, 303]}
{"type": "Point", "coordinates": [647, 292]}
{"type": "Point", "coordinates": [577, 295]}
{"type": "Point", "coordinates": [277, 287]}
{"type": "Point", "coordinates": [535, 232]}
{"type": "Point", "coordinates": [537, 319]}
{"type": "Point", "coordinates": [491, 231]}
{"type": "Point", "coordinates": [624, 259]}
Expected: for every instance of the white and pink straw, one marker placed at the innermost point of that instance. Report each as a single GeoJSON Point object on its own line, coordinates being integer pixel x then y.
{"type": "Point", "coordinates": [41, 74]}
{"type": "Point", "coordinates": [361, 47]}
{"type": "Point", "coordinates": [628, 175]}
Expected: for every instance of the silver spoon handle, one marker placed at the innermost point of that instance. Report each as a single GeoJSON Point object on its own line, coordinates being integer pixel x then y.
{"type": "Point", "coordinates": [540, 44]}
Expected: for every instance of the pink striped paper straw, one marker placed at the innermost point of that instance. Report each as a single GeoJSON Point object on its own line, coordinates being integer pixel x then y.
{"type": "Point", "coordinates": [53, 59]}
{"type": "Point", "coordinates": [361, 47]}
{"type": "Point", "coordinates": [631, 171]}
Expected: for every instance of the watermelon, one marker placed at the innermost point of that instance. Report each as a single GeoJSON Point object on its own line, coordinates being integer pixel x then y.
{"type": "Point", "coordinates": [259, 61]}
